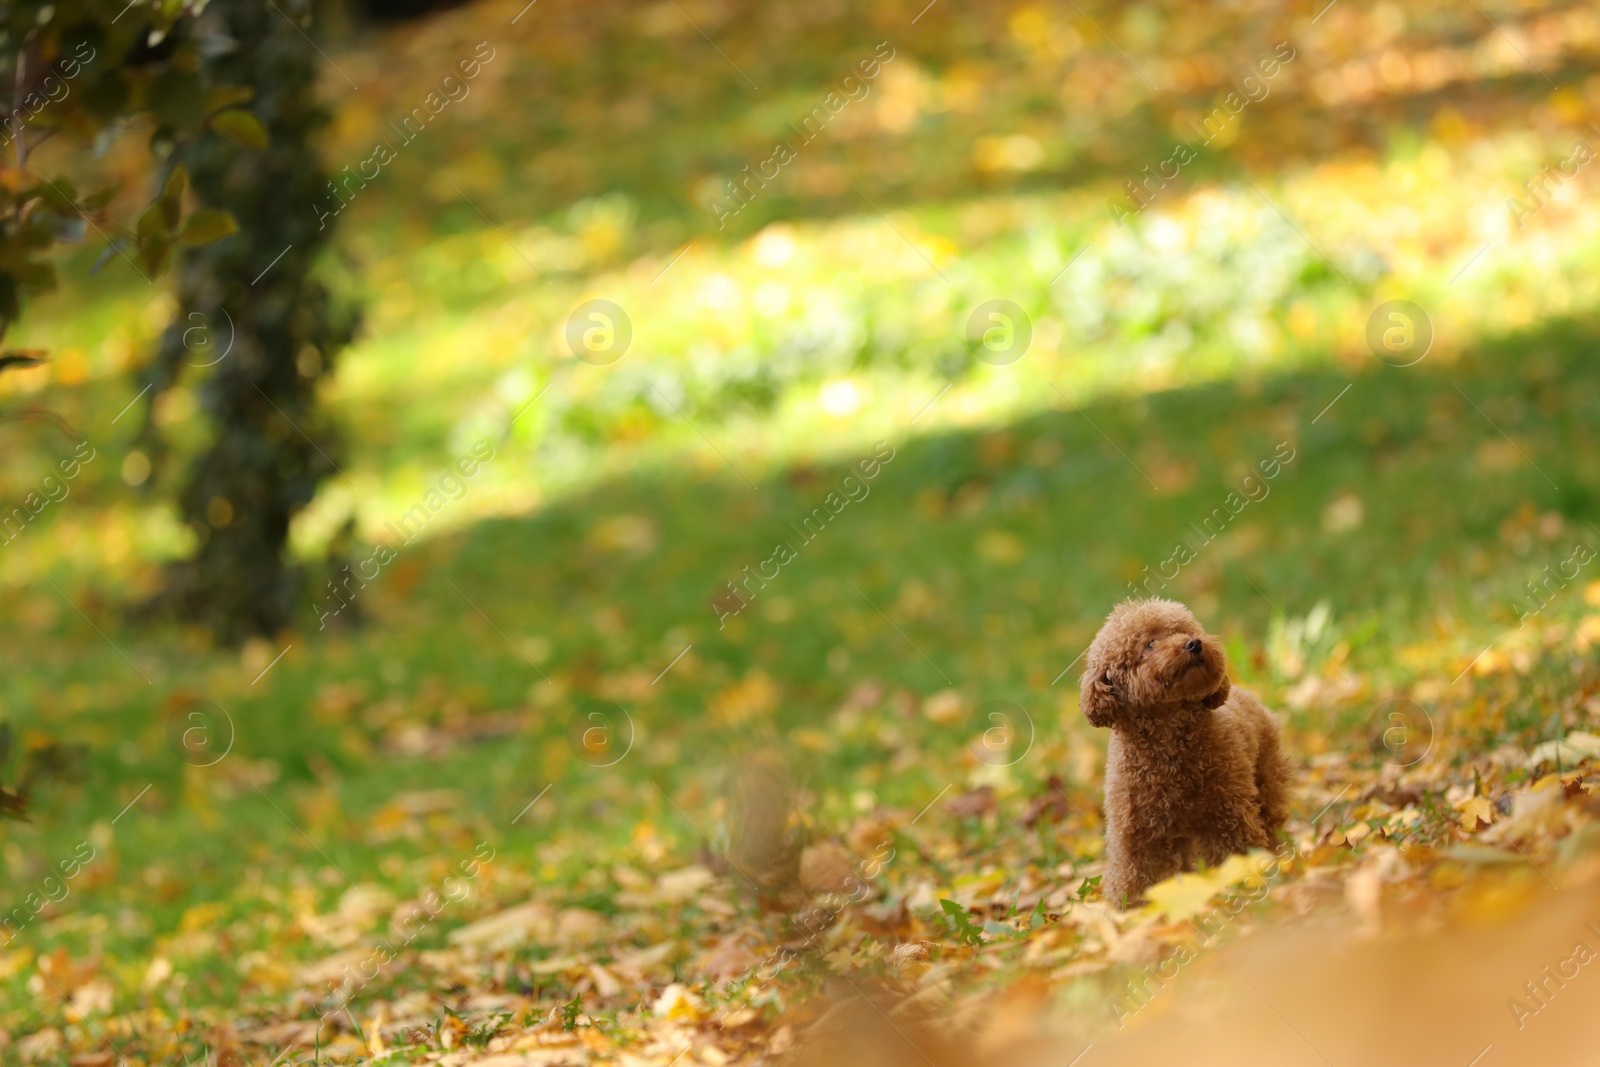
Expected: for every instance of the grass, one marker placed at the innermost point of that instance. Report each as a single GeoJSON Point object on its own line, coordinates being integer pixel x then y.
{"type": "Point", "coordinates": [591, 560]}
{"type": "Point", "coordinates": [979, 562]}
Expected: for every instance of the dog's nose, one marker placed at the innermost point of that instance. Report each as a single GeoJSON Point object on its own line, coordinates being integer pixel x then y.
{"type": "Point", "coordinates": [1193, 645]}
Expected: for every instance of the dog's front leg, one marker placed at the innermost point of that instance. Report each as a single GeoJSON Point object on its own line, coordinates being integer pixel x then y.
{"type": "Point", "coordinates": [1139, 868]}
{"type": "Point", "coordinates": [1238, 830]}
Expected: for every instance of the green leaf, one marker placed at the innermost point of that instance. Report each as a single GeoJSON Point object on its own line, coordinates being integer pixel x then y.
{"type": "Point", "coordinates": [106, 97]}
{"type": "Point", "coordinates": [13, 805]}
{"type": "Point", "coordinates": [59, 193]}
{"type": "Point", "coordinates": [223, 97]}
{"type": "Point", "coordinates": [171, 199]}
{"type": "Point", "coordinates": [152, 222]}
{"type": "Point", "coordinates": [16, 357]}
{"type": "Point", "coordinates": [242, 127]}
{"type": "Point", "coordinates": [54, 762]}
{"type": "Point", "coordinates": [178, 99]}
{"type": "Point", "coordinates": [101, 197]}
{"type": "Point", "coordinates": [205, 226]}
{"type": "Point", "coordinates": [966, 931]}
{"type": "Point", "coordinates": [39, 231]}
{"type": "Point", "coordinates": [10, 306]}
{"type": "Point", "coordinates": [1035, 917]}
{"type": "Point", "coordinates": [154, 253]}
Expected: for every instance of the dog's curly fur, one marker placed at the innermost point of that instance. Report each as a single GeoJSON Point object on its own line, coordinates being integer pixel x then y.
{"type": "Point", "coordinates": [1193, 771]}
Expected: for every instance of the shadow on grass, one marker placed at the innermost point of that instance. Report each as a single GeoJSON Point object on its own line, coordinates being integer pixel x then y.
{"type": "Point", "coordinates": [979, 561]}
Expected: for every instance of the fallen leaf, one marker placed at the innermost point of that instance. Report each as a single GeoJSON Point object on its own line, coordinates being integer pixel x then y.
{"type": "Point", "coordinates": [1568, 751]}
{"type": "Point", "coordinates": [676, 1002]}
{"type": "Point", "coordinates": [1535, 812]}
{"type": "Point", "coordinates": [507, 928]}
{"type": "Point", "coordinates": [944, 707]}
{"type": "Point", "coordinates": [1475, 810]}
{"type": "Point", "coordinates": [1183, 896]}
{"type": "Point", "coordinates": [674, 887]}
{"type": "Point", "coordinates": [972, 804]}
{"type": "Point", "coordinates": [605, 983]}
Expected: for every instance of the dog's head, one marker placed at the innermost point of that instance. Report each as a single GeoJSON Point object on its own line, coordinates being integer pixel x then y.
{"type": "Point", "coordinates": [1151, 656]}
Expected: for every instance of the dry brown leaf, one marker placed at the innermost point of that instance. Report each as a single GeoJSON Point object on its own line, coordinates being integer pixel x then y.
{"type": "Point", "coordinates": [508, 928]}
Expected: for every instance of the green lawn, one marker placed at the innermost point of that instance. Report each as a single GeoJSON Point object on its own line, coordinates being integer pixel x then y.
{"type": "Point", "coordinates": [1219, 335]}
{"type": "Point", "coordinates": [978, 562]}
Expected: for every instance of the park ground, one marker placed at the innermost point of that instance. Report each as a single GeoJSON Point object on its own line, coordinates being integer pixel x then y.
{"type": "Point", "coordinates": [507, 784]}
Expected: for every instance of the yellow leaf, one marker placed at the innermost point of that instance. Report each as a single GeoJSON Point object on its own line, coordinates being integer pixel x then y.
{"type": "Point", "coordinates": [812, 740]}
{"type": "Point", "coordinates": [1535, 812]}
{"type": "Point", "coordinates": [676, 1002]}
{"type": "Point", "coordinates": [1474, 810]}
{"type": "Point", "coordinates": [13, 962]}
{"type": "Point", "coordinates": [842, 960]}
{"type": "Point", "coordinates": [1182, 896]}
{"type": "Point", "coordinates": [1588, 631]}
{"type": "Point", "coordinates": [1574, 748]}
{"type": "Point", "coordinates": [605, 983]}
{"type": "Point", "coordinates": [242, 127]}
{"type": "Point", "coordinates": [978, 884]}
{"type": "Point", "coordinates": [753, 696]}
{"type": "Point", "coordinates": [1236, 869]}
{"type": "Point", "coordinates": [1001, 547]}
{"type": "Point", "coordinates": [205, 226]}
{"type": "Point", "coordinates": [1407, 816]}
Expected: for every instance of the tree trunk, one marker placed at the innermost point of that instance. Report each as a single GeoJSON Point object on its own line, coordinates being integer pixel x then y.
{"type": "Point", "coordinates": [251, 314]}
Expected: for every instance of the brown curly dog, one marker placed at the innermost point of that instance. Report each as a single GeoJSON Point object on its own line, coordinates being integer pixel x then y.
{"type": "Point", "coordinates": [1193, 771]}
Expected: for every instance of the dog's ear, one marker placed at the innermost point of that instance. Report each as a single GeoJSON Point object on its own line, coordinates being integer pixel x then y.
{"type": "Point", "coordinates": [1097, 696]}
{"type": "Point", "coordinates": [1220, 697]}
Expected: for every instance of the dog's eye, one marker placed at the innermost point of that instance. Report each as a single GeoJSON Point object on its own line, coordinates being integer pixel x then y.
{"type": "Point", "coordinates": [1152, 644]}
{"type": "Point", "coordinates": [1105, 679]}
